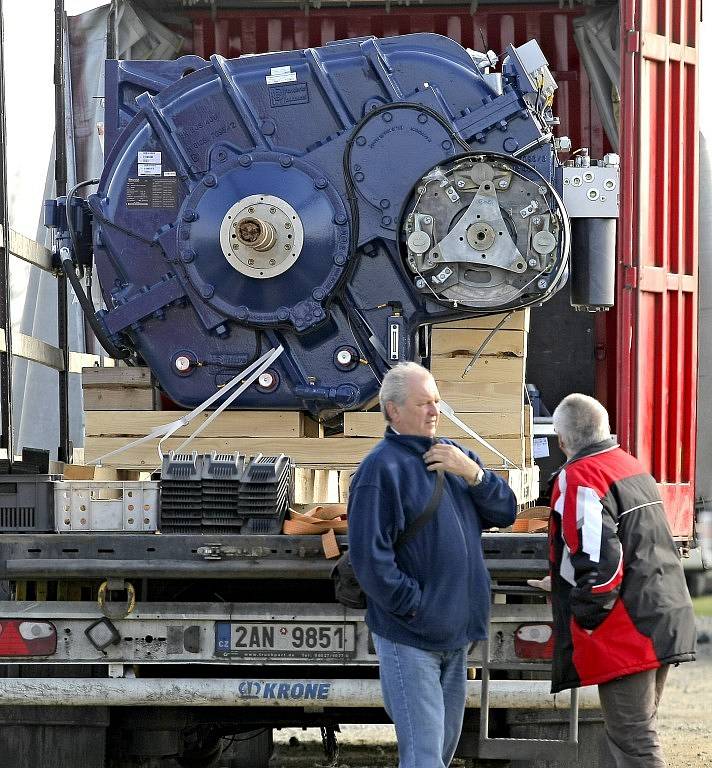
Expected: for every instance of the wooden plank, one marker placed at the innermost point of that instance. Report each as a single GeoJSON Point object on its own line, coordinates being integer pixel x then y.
{"type": "Point", "coordinates": [487, 369]}
{"type": "Point", "coordinates": [227, 425]}
{"type": "Point", "coordinates": [466, 342]}
{"type": "Point", "coordinates": [30, 251]}
{"type": "Point", "coordinates": [481, 398]}
{"type": "Point", "coordinates": [117, 376]}
{"type": "Point", "coordinates": [326, 486]}
{"type": "Point", "coordinates": [324, 454]}
{"type": "Point", "coordinates": [37, 351]}
{"type": "Point", "coordinates": [519, 321]}
{"type": "Point", "coordinates": [528, 421]}
{"type": "Point", "coordinates": [126, 399]}
{"type": "Point", "coordinates": [499, 424]}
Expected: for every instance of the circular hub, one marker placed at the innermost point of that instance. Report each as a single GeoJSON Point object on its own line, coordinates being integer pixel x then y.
{"type": "Point", "coordinates": [480, 236]}
{"type": "Point", "coordinates": [261, 236]}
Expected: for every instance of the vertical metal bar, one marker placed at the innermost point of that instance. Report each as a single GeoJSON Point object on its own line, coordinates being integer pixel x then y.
{"type": "Point", "coordinates": [60, 175]}
{"type": "Point", "coordinates": [6, 440]}
{"type": "Point", "coordinates": [484, 690]}
{"type": "Point", "coordinates": [111, 41]}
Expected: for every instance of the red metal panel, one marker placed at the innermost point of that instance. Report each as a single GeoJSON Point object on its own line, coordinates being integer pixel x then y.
{"type": "Point", "coordinates": [657, 288]}
{"type": "Point", "coordinates": [234, 32]}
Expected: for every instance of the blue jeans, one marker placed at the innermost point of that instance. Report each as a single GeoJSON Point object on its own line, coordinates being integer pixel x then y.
{"type": "Point", "coordinates": [424, 695]}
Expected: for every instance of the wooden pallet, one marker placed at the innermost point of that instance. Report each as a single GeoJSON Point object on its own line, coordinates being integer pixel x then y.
{"type": "Point", "coordinates": [488, 399]}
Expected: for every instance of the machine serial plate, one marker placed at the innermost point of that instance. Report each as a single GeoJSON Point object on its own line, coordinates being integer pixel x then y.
{"type": "Point", "coordinates": [285, 640]}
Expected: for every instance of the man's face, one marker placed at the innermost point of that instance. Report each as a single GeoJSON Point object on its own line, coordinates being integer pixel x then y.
{"type": "Point", "coordinates": [420, 413]}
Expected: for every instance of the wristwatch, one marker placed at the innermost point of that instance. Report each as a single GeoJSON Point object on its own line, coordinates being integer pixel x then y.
{"type": "Point", "coordinates": [478, 477]}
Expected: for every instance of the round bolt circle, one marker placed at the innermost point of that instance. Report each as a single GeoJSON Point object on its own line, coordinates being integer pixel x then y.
{"type": "Point", "coordinates": [207, 291]}
{"type": "Point", "coordinates": [182, 363]}
{"type": "Point", "coordinates": [446, 144]}
{"type": "Point", "coordinates": [320, 183]}
{"type": "Point", "coordinates": [361, 140]}
{"type": "Point", "coordinates": [285, 161]}
{"type": "Point", "coordinates": [387, 117]}
{"type": "Point", "coordinates": [245, 161]}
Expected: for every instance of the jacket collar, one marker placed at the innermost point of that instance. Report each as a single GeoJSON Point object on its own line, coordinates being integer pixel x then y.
{"type": "Point", "coordinates": [592, 450]}
{"type": "Point", "coordinates": [414, 443]}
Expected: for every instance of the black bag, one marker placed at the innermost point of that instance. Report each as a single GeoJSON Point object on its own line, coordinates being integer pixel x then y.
{"type": "Point", "coordinates": [346, 587]}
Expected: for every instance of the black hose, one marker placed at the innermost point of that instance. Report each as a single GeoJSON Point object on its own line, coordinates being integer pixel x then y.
{"type": "Point", "coordinates": [88, 308]}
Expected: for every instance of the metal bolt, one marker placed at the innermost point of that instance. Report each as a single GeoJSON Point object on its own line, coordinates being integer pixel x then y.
{"type": "Point", "coordinates": [460, 183]}
{"type": "Point", "coordinates": [343, 356]}
{"type": "Point", "coordinates": [532, 262]}
{"type": "Point", "coordinates": [182, 363]}
{"type": "Point", "coordinates": [502, 184]}
{"type": "Point", "coordinates": [272, 262]}
{"type": "Point", "coordinates": [287, 247]}
{"type": "Point", "coordinates": [427, 220]}
{"type": "Point", "coordinates": [542, 190]}
{"type": "Point", "coordinates": [421, 190]}
{"type": "Point", "coordinates": [273, 210]}
{"type": "Point", "coordinates": [420, 283]}
{"type": "Point", "coordinates": [287, 225]}
{"type": "Point", "coordinates": [542, 284]}
{"type": "Point", "coordinates": [266, 380]}
{"type": "Point", "coordinates": [537, 219]}
{"type": "Point", "coordinates": [250, 210]}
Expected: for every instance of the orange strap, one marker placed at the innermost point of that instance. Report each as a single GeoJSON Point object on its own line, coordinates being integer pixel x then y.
{"type": "Point", "coordinates": [318, 520]}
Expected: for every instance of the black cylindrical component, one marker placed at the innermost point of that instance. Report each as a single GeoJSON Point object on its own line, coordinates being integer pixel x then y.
{"type": "Point", "coordinates": [593, 263]}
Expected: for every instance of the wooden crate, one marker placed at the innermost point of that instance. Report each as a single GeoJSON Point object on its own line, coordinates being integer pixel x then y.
{"type": "Point", "coordinates": [518, 321]}
{"type": "Point", "coordinates": [118, 389]}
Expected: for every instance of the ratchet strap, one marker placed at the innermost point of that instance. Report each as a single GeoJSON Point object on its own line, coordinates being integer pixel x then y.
{"type": "Point", "coordinates": [319, 519]}
{"type": "Point", "coordinates": [164, 431]}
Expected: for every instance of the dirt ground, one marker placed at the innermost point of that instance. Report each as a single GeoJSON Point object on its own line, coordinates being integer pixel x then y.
{"type": "Point", "coordinates": [685, 725]}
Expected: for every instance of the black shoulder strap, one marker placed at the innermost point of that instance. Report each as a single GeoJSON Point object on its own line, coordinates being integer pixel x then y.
{"type": "Point", "coordinates": [427, 515]}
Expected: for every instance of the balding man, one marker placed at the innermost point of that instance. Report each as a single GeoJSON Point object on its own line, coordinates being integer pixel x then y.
{"type": "Point", "coordinates": [428, 599]}
{"type": "Point", "coordinates": [622, 613]}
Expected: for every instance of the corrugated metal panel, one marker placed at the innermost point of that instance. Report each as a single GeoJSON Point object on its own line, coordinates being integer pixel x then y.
{"type": "Point", "coordinates": [232, 33]}
{"type": "Point", "coordinates": [658, 247]}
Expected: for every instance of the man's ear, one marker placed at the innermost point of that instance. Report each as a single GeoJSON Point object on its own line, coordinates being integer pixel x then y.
{"type": "Point", "coordinates": [391, 410]}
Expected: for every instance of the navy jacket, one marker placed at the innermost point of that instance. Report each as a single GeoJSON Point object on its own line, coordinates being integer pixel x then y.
{"type": "Point", "coordinates": [434, 591]}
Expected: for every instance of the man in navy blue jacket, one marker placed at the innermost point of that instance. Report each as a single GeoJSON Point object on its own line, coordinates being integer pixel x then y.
{"type": "Point", "coordinates": [429, 599]}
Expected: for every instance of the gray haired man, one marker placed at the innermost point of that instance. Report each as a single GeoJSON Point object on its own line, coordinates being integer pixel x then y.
{"type": "Point", "coordinates": [622, 613]}
{"type": "Point", "coordinates": [429, 598]}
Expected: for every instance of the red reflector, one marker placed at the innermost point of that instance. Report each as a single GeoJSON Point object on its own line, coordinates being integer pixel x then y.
{"type": "Point", "coordinates": [534, 641]}
{"type": "Point", "coordinates": [27, 638]}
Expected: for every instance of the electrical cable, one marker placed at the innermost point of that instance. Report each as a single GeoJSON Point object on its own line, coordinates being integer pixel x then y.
{"type": "Point", "coordinates": [88, 308]}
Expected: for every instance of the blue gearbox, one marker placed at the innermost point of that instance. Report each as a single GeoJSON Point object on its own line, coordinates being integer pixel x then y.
{"type": "Point", "coordinates": [335, 200]}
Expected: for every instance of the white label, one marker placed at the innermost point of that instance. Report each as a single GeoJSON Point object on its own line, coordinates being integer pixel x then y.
{"type": "Point", "coordinates": [146, 169]}
{"type": "Point", "coordinates": [541, 447]}
{"type": "Point", "coordinates": [169, 173]}
{"type": "Point", "coordinates": [287, 77]}
{"type": "Point", "coordinates": [149, 157]}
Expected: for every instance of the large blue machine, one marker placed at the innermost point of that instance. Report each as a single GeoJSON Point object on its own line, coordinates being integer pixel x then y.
{"type": "Point", "coordinates": [336, 200]}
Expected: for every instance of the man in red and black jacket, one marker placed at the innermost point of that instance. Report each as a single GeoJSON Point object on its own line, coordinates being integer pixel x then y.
{"type": "Point", "coordinates": [622, 612]}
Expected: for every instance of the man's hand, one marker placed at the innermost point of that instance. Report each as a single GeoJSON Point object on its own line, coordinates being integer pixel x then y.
{"type": "Point", "coordinates": [544, 583]}
{"type": "Point", "coordinates": [449, 458]}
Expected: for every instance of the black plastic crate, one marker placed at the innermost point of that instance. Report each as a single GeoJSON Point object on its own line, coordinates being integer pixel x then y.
{"type": "Point", "coordinates": [26, 503]}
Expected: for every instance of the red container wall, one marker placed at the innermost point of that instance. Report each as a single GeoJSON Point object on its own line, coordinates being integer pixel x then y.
{"type": "Point", "coordinates": [657, 315]}
{"type": "Point", "coordinates": [232, 33]}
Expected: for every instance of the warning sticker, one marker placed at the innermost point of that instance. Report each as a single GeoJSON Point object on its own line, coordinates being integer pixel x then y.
{"type": "Point", "coordinates": [154, 192]}
{"type": "Point", "coordinates": [280, 75]}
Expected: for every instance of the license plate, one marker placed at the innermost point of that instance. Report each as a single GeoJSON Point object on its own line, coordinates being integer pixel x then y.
{"type": "Point", "coordinates": [285, 640]}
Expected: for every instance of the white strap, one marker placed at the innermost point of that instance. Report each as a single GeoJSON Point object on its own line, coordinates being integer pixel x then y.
{"type": "Point", "coordinates": [448, 411]}
{"type": "Point", "coordinates": [164, 431]}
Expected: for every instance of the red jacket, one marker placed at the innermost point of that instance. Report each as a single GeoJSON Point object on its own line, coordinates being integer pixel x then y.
{"type": "Point", "coordinates": [615, 571]}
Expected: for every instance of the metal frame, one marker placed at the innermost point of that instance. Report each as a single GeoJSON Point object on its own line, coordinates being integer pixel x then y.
{"type": "Point", "coordinates": [6, 439]}
{"type": "Point", "coordinates": [529, 749]}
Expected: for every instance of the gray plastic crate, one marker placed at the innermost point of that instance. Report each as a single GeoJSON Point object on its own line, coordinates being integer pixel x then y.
{"type": "Point", "coordinates": [26, 503]}
{"type": "Point", "coordinates": [113, 505]}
